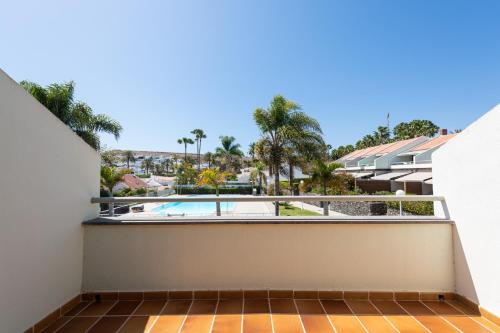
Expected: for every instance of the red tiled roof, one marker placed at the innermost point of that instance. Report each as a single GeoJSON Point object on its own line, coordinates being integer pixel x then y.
{"type": "Point", "coordinates": [437, 141]}
{"type": "Point", "coordinates": [133, 181]}
{"type": "Point", "coordinates": [378, 150]}
{"type": "Point", "coordinates": [398, 144]}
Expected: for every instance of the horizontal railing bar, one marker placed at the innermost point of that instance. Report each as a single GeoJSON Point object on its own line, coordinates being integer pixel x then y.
{"type": "Point", "coordinates": [302, 198]}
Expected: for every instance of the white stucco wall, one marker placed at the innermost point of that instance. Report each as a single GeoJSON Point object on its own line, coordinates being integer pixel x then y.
{"type": "Point", "coordinates": [415, 257]}
{"type": "Point", "coordinates": [464, 171]}
{"type": "Point", "coordinates": [47, 177]}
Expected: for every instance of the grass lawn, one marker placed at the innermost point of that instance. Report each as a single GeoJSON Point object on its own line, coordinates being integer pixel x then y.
{"type": "Point", "coordinates": [289, 210]}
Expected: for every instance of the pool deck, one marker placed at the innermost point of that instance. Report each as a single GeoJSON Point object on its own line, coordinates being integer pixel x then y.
{"type": "Point", "coordinates": [240, 209]}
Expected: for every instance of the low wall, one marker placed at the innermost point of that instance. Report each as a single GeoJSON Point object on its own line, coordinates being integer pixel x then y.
{"type": "Point", "coordinates": [371, 257]}
{"type": "Point", "coordinates": [372, 186]}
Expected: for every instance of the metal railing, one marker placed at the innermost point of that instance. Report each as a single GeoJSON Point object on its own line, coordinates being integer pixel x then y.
{"type": "Point", "coordinates": [111, 201]}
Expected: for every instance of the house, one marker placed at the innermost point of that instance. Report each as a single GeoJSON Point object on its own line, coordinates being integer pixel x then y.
{"type": "Point", "coordinates": [130, 181]}
{"type": "Point", "coordinates": [401, 165]}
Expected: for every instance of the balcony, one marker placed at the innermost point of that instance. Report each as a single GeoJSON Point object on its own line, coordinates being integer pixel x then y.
{"type": "Point", "coordinates": [65, 269]}
{"type": "Point", "coordinates": [270, 311]}
{"type": "Point", "coordinates": [268, 274]}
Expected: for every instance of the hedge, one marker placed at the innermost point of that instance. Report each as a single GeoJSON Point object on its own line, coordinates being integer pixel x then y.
{"type": "Point", "coordinates": [412, 207]}
{"type": "Point", "coordinates": [223, 190]}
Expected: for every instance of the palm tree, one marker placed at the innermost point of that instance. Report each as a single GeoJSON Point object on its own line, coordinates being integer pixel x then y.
{"type": "Point", "coordinates": [251, 150]}
{"type": "Point", "coordinates": [175, 161]}
{"type": "Point", "coordinates": [228, 151]}
{"type": "Point", "coordinates": [148, 164]}
{"type": "Point", "coordinates": [109, 178]}
{"type": "Point", "coordinates": [166, 164]}
{"type": "Point", "coordinates": [284, 125]}
{"type": "Point", "coordinates": [59, 99]}
{"type": "Point", "coordinates": [185, 141]}
{"type": "Point", "coordinates": [128, 156]}
{"type": "Point", "coordinates": [199, 135]}
{"type": "Point", "coordinates": [322, 175]}
{"type": "Point", "coordinates": [210, 159]}
{"type": "Point", "coordinates": [258, 174]}
{"type": "Point", "coordinates": [109, 158]}
{"type": "Point", "coordinates": [214, 178]}
{"type": "Point", "coordinates": [159, 169]}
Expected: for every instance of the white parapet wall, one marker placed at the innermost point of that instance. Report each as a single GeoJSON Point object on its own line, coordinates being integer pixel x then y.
{"type": "Point", "coordinates": [465, 173]}
{"type": "Point", "coordinates": [47, 177]}
{"type": "Point", "coordinates": [409, 257]}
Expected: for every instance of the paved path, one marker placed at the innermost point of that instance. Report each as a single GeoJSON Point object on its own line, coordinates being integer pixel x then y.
{"type": "Point", "coordinates": [313, 208]}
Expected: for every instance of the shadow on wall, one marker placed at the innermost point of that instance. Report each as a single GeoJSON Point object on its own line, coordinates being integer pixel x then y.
{"type": "Point", "coordinates": [462, 271]}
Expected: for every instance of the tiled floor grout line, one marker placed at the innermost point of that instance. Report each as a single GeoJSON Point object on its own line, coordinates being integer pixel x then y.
{"type": "Point", "coordinates": [242, 314]}
{"type": "Point", "coordinates": [468, 316]}
{"type": "Point", "coordinates": [158, 316]}
{"type": "Point", "coordinates": [270, 313]}
{"type": "Point", "coordinates": [137, 308]}
{"type": "Point", "coordinates": [86, 306]}
{"type": "Point", "coordinates": [298, 314]}
{"type": "Point", "coordinates": [185, 317]}
{"type": "Point", "coordinates": [76, 315]}
{"type": "Point", "coordinates": [355, 315]}
{"type": "Point", "coordinates": [128, 318]}
{"type": "Point", "coordinates": [386, 319]}
{"type": "Point", "coordinates": [418, 321]}
{"type": "Point", "coordinates": [327, 316]}
{"type": "Point", "coordinates": [437, 314]}
{"type": "Point", "coordinates": [90, 327]}
{"type": "Point", "coordinates": [213, 319]}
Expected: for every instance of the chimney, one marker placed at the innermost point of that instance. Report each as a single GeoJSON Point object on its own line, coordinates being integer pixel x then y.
{"type": "Point", "coordinates": [443, 131]}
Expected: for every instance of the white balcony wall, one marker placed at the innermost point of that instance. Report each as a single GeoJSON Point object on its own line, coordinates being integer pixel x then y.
{"type": "Point", "coordinates": [47, 177]}
{"type": "Point", "coordinates": [410, 257]}
{"type": "Point", "coordinates": [425, 157]}
{"type": "Point", "coordinates": [471, 189]}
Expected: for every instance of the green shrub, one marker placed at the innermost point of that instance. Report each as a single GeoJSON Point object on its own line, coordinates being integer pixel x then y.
{"type": "Point", "coordinates": [127, 192]}
{"type": "Point", "coordinates": [222, 190]}
{"type": "Point", "coordinates": [412, 207]}
{"type": "Point", "coordinates": [143, 175]}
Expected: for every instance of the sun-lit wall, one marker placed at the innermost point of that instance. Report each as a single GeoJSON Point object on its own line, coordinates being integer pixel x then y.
{"type": "Point", "coordinates": [47, 177]}
{"type": "Point", "coordinates": [368, 257]}
{"type": "Point", "coordinates": [465, 171]}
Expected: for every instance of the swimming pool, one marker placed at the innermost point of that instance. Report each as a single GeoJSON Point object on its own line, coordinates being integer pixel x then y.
{"type": "Point", "coordinates": [192, 208]}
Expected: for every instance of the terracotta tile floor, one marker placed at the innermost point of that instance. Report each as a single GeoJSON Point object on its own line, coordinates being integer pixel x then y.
{"type": "Point", "coordinates": [271, 315]}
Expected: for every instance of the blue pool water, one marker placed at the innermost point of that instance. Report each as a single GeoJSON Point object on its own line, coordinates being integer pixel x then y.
{"type": "Point", "coordinates": [192, 208]}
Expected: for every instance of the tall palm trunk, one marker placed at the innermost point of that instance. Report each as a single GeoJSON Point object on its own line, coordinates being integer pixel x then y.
{"type": "Point", "coordinates": [326, 204]}
{"type": "Point", "coordinates": [290, 178]}
{"type": "Point", "coordinates": [199, 154]}
{"type": "Point", "coordinates": [260, 183]}
{"type": "Point", "coordinates": [276, 189]}
{"type": "Point", "coordinates": [185, 152]}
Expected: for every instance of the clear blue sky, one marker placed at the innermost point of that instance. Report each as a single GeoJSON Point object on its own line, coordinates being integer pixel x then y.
{"type": "Point", "coordinates": [163, 68]}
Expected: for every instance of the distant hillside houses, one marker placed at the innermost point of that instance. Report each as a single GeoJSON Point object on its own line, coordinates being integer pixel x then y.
{"type": "Point", "coordinates": [158, 157]}
{"type": "Point", "coordinates": [405, 165]}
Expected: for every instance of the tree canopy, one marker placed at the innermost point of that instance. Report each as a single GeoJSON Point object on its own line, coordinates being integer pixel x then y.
{"type": "Point", "coordinates": [59, 99]}
{"type": "Point", "coordinates": [414, 128]}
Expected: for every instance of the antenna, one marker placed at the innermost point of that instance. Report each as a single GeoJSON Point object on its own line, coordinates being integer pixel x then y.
{"type": "Point", "coordinates": [388, 124]}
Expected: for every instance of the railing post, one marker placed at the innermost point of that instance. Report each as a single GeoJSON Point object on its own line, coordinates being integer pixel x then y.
{"type": "Point", "coordinates": [217, 208]}
{"type": "Point", "coordinates": [326, 208]}
{"type": "Point", "coordinates": [277, 208]}
{"type": "Point", "coordinates": [111, 209]}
